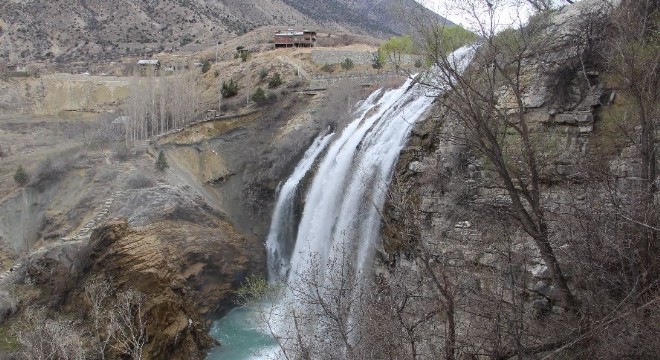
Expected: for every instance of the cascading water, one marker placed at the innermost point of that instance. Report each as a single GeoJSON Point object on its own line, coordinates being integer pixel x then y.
{"type": "Point", "coordinates": [283, 226]}
{"type": "Point", "coordinates": [340, 222]}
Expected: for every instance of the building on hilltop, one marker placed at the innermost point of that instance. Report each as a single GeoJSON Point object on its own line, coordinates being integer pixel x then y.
{"type": "Point", "coordinates": [291, 38]}
{"type": "Point", "coordinates": [148, 67]}
{"type": "Point", "coordinates": [149, 63]}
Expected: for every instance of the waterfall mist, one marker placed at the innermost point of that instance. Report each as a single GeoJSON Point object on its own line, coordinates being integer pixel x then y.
{"type": "Point", "coordinates": [329, 269]}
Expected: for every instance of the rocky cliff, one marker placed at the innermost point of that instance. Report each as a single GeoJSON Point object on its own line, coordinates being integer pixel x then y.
{"type": "Point", "coordinates": [452, 229]}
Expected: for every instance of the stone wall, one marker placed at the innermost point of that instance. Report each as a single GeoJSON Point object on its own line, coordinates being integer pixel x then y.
{"type": "Point", "coordinates": [323, 81]}
{"type": "Point", "coordinates": [322, 57]}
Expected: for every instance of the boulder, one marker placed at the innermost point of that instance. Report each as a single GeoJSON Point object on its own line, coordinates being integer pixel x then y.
{"type": "Point", "coordinates": [576, 118]}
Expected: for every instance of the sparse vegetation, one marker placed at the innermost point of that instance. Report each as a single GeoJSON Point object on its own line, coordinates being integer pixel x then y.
{"type": "Point", "coordinates": [275, 81]}
{"type": "Point", "coordinates": [121, 152]}
{"type": "Point", "coordinates": [378, 60]}
{"type": "Point", "coordinates": [329, 68]}
{"type": "Point", "coordinates": [229, 89]}
{"type": "Point", "coordinates": [347, 64]}
{"type": "Point", "coordinates": [21, 177]}
{"type": "Point", "coordinates": [161, 162]}
{"type": "Point", "coordinates": [245, 55]}
{"type": "Point", "coordinates": [184, 41]}
{"type": "Point", "coordinates": [206, 66]}
{"type": "Point", "coordinates": [139, 181]}
{"type": "Point", "coordinates": [263, 74]}
{"type": "Point", "coordinates": [259, 96]}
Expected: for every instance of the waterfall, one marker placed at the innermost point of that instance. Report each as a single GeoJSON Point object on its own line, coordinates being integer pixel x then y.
{"type": "Point", "coordinates": [340, 222]}
{"type": "Point", "coordinates": [283, 226]}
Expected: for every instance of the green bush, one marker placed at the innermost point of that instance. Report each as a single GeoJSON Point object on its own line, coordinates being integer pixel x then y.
{"type": "Point", "coordinates": [259, 96]}
{"type": "Point", "coordinates": [185, 40]}
{"type": "Point", "coordinates": [263, 74]}
{"type": "Point", "coordinates": [229, 89]}
{"type": "Point", "coordinates": [206, 66]}
{"type": "Point", "coordinates": [161, 162]}
{"type": "Point", "coordinates": [21, 177]}
{"type": "Point", "coordinates": [445, 39]}
{"type": "Point", "coordinates": [255, 289]}
{"type": "Point", "coordinates": [378, 60]}
{"type": "Point", "coordinates": [245, 55]}
{"type": "Point", "coordinates": [347, 64]}
{"type": "Point", "coordinates": [275, 81]}
{"type": "Point", "coordinates": [328, 68]}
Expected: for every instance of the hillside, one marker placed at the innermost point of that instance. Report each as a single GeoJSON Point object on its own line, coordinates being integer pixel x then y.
{"type": "Point", "coordinates": [91, 30]}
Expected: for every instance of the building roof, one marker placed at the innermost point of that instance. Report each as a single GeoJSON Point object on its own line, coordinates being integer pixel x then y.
{"type": "Point", "coordinates": [148, 62]}
{"type": "Point", "coordinates": [291, 32]}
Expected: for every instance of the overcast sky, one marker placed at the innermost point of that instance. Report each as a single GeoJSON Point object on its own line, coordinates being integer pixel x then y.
{"type": "Point", "coordinates": [507, 12]}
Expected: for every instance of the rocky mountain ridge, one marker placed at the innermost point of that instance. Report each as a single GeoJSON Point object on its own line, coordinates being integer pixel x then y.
{"type": "Point", "coordinates": [92, 30]}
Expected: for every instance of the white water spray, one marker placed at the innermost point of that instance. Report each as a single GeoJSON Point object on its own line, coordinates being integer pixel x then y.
{"type": "Point", "coordinates": [283, 225]}
{"type": "Point", "coordinates": [340, 222]}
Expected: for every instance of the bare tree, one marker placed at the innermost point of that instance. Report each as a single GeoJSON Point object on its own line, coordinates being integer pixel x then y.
{"type": "Point", "coordinates": [634, 56]}
{"type": "Point", "coordinates": [331, 299]}
{"type": "Point", "coordinates": [44, 338]}
{"type": "Point", "coordinates": [129, 317]}
{"type": "Point", "coordinates": [98, 292]}
{"type": "Point", "coordinates": [159, 104]}
{"type": "Point", "coordinates": [488, 101]}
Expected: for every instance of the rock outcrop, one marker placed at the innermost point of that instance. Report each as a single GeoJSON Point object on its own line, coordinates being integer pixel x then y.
{"type": "Point", "coordinates": [449, 210]}
{"type": "Point", "coordinates": [186, 272]}
{"type": "Point", "coordinates": [137, 260]}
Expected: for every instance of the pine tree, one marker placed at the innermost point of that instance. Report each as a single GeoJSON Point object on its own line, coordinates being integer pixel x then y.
{"type": "Point", "coordinates": [259, 96]}
{"type": "Point", "coordinates": [21, 177]}
{"type": "Point", "coordinates": [161, 162]}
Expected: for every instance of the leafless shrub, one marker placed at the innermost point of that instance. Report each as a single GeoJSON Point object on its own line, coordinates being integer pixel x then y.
{"type": "Point", "coordinates": [293, 84]}
{"type": "Point", "coordinates": [108, 129]}
{"type": "Point", "coordinates": [50, 170]}
{"type": "Point", "coordinates": [121, 152]}
{"type": "Point", "coordinates": [338, 105]}
{"type": "Point", "coordinates": [98, 292]}
{"type": "Point", "coordinates": [139, 181]}
{"type": "Point", "coordinates": [107, 175]}
{"type": "Point", "coordinates": [42, 337]}
{"type": "Point", "coordinates": [129, 317]}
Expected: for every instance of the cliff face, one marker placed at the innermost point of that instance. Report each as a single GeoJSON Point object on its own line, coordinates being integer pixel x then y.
{"type": "Point", "coordinates": [450, 213]}
{"type": "Point", "coordinates": [59, 94]}
{"type": "Point", "coordinates": [147, 261]}
{"type": "Point", "coordinates": [182, 271]}
{"type": "Point", "coordinates": [178, 257]}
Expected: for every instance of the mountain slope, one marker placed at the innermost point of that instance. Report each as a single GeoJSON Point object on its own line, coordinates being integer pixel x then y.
{"type": "Point", "coordinates": [381, 16]}
{"type": "Point", "coordinates": [91, 30]}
